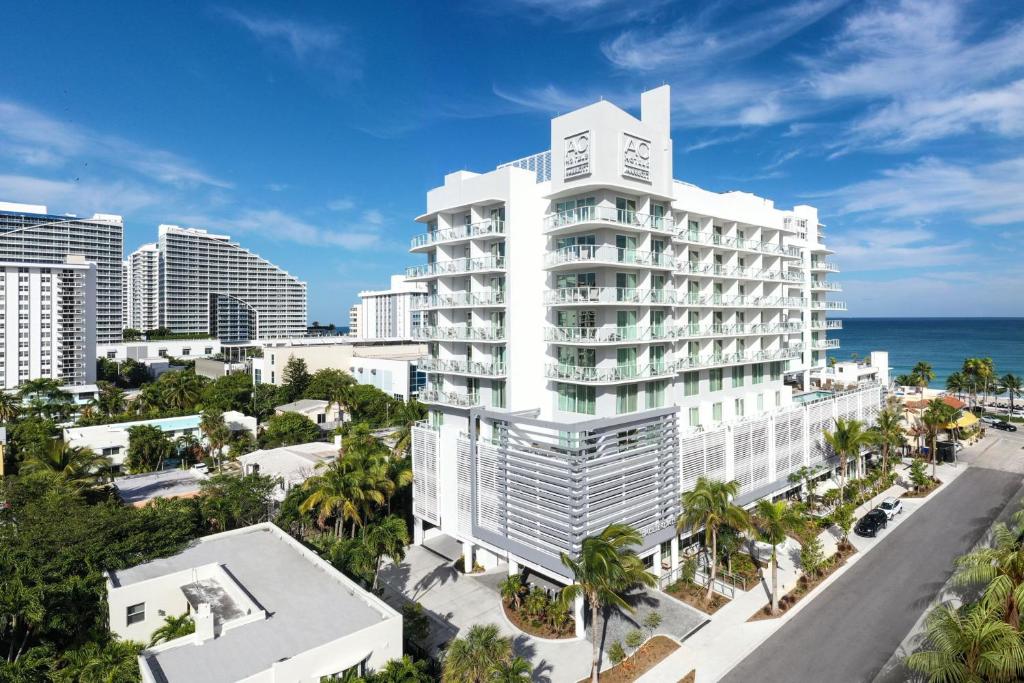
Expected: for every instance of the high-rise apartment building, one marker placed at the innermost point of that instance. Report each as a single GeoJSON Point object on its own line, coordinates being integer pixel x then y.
{"type": "Point", "coordinates": [144, 288]}
{"type": "Point", "coordinates": [204, 283]}
{"type": "Point", "coordinates": [355, 315]}
{"type": "Point", "coordinates": [600, 335]}
{"type": "Point", "coordinates": [30, 234]}
{"type": "Point", "coordinates": [391, 313]}
{"type": "Point", "coordinates": [48, 321]}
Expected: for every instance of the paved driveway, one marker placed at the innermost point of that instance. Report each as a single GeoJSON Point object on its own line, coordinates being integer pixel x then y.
{"type": "Point", "coordinates": [849, 632]}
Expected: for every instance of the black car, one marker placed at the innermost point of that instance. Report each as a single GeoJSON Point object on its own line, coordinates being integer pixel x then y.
{"type": "Point", "coordinates": [870, 523]}
{"type": "Point", "coordinates": [1005, 426]}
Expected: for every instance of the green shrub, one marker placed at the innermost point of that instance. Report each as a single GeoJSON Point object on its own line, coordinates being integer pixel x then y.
{"type": "Point", "coordinates": [918, 475]}
{"type": "Point", "coordinates": [689, 570]}
{"type": "Point", "coordinates": [616, 653]}
{"type": "Point", "coordinates": [652, 621]}
{"type": "Point", "coordinates": [634, 638]}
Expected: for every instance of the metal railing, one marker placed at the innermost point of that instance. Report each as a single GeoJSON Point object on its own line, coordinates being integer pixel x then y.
{"type": "Point", "coordinates": [740, 272]}
{"type": "Point", "coordinates": [461, 367]}
{"type": "Point", "coordinates": [607, 335]}
{"type": "Point", "coordinates": [828, 305]}
{"type": "Point", "coordinates": [821, 344]}
{"type": "Point", "coordinates": [456, 266]}
{"type": "Point", "coordinates": [827, 266]}
{"type": "Point", "coordinates": [457, 299]}
{"type": "Point", "coordinates": [742, 301]}
{"type": "Point", "coordinates": [618, 373]}
{"type": "Point", "coordinates": [825, 285]}
{"type": "Point", "coordinates": [609, 295]}
{"type": "Point", "coordinates": [826, 324]}
{"type": "Point", "coordinates": [450, 398]}
{"type": "Point", "coordinates": [459, 333]}
{"type": "Point", "coordinates": [607, 253]}
{"type": "Point", "coordinates": [607, 214]}
{"type": "Point", "coordinates": [711, 239]}
{"type": "Point", "coordinates": [487, 228]}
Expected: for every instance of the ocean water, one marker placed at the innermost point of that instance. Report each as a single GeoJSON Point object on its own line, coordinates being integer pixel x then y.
{"type": "Point", "coordinates": [943, 342]}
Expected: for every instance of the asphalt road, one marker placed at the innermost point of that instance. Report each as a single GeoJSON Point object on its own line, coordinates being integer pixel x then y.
{"type": "Point", "coordinates": [850, 631]}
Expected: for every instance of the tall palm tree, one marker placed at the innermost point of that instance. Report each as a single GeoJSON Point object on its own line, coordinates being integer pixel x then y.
{"type": "Point", "coordinates": [1000, 566]}
{"type": "Point", "coordinates": [472, 658]}
{"type": "Point", "coordinates": [710, 505]}
{"type": "Point", "coordinates": [936, 417]}
{"type": "Point", "coordinates": [923, 374]}
{"type": "Point", "coordinates": [773, 521]}
{"type": "Point", "coordinates": [958, 383]}
{"type": "Point", "coordinates": [888, 432]}
{"type": "Point", "coordinates": [10, 407]}
{"type": "Point", "coordinates": [605, 569]}
{"type": "Point", "coordinates": [1012, 385]}
{"type": "Point", "coordinates": [847, 440]}
{"type": "Point", "coordinates": [217, 434]}
{"type": "Point", "coordinates": [404, 670]}
{"type": "Point", "coordinates": [115, 661]}
{"type": "Point", "coordinates": [388, 537]}
{"type": "Point", "coordinates": [406, 417]}
{"type": "Point", "coordinates": [515, 670]}
{"type": "Point", "coordinates": [969, 644]}
{"type": "Point", "coordinates": [173, 627]}
{"type": "Point", "coordinates": [180, 389]}
{"type": "Point", "coordinates": [79, 467]}
{"type": "Point", "coordinates": [348, 490]}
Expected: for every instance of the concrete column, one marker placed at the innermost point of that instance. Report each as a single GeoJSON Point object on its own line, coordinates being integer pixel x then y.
{"type": "Point", "coordinates": [656, 564]}
{"type": "Point", "coordinates": [675, 553]}
{"type": "Point", "coordinates": [577, 614]}
{"type": "Point", "coordinates": [417, 531]}
{"type": "Point", "coordinates": [467, 557]}
{"type": "Point", "coordinates": [513, 567]}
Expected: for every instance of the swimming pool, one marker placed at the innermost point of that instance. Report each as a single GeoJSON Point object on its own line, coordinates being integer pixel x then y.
{"type": "Point", "coordinates": [812, 396]}
{"type": "Point", "coordinates": [169, 424]}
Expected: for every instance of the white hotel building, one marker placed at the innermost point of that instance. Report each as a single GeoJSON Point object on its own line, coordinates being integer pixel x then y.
{"type": "Point", "coordinates": [601, 335]}
{"type": "Point", "coordinates": [391, 313]}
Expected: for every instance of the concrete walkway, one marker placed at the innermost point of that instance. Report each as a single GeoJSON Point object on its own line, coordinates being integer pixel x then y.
{"type": "Point", "coordinates": [730, 637]}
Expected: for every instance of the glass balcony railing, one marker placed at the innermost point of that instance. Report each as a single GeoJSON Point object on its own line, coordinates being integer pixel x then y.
{"type": "Point", "coordinates": [609, 295]}
{"type": "Point", "coordinates": [822, 344]}
{"type": "Point", "coordinates": [607, 335]}
{"type": "Point", "coordinates": [618, 373]}
{"type": "Point", "coordinates": [607, 214]}
{"type": "Point", "coordinates": [458, 333]}
{"type": "Point", "coordinates": [739, 243]}
{"type": "Point", "coordinates": [488, 228]}
{"type": "Point", "coordinates": [450, 398]}
{"type": "Point", "coordinates": [826, 266]}
{"type": "Point", "coordinates": [456, 266]}
{"type": "Point", "coordinates": [461, 367]}
{"type": "Point", "coordinates": [741, 273]}
{"type": "Point", "coordinates": [461, 300]}
{"type": "Point", "coordinates": [742, 301]}
{"type": "Point", "coordinates": [606, 253]}
{"type": "Point", "coordinates": [828, 305]}
{"type": "Point", "coordinates": [825, 285]}
{"type": "Point", "coordinates": [826, 324]}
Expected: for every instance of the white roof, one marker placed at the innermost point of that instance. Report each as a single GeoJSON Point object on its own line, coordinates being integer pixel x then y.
{"type": "Point", "coordinates": [294, 463]}
{"type": "Point", "coordinates": [302, 405]}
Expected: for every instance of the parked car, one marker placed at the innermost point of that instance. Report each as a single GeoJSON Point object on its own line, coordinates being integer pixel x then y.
{"type": "Point", "coordinates": [891, 507]}
{"type": "Point", "coordinates": [1005, 426]}
{"type": "Point", "coordinates": [990, 419]}
{"type": "Point", "coordinates": [870, 523]}
{"type": "Point", "coordinates": [200, 468]}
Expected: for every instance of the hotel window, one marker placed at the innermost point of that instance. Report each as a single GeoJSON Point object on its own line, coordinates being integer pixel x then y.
{"type": "Point", "coordinates": [737, 377]}
{"type": "Point", "coordinates": [691, 383]}
{"type": "Point", "coordinates": [778, 399]}
{"type": "Point", "coordinates": [760, 402]}
{"type": "Point", "coordinates": [498, 394]}
{"type": "Point", "coordinates": [695, 417]}
{"type": "Point", "coordinates": [654, 394]}
{"type": "Point", "coordinates": [625, 210]}
{"type": "Point", "coordinates": [716, 412]}
{"type": "Point", "coordinates": [739, 407]}
{"type": "Point", "coordinates": [658, 216]}
{"type": "Point", "coordinates": [576, 399]}
{"type": "Point", "coordinates": [693, 229]}
{"type": "Point", "coordinates": [715, 379]}
{"type": "Point", "coordinates": [758, 373]}
{"type": "Point", "coordinates": [136, 613]}
{"type": "Point", "coordinates": [625, 399]}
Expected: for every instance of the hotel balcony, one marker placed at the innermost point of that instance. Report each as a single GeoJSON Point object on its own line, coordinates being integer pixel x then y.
{"type": "Point", "coordinates": [740, 273]}
{"type": "Point", "coordinates": [826, 324]}
{"type": "Point", "coordinates": [611, 375]}
{"type": "Point", "coordinates": [828, 305]}
{"type": "Point", "coordinates": [825, 286]}
{"type": "Point", "coordinates": [488, 229]}
{"type": "Point", "coordinates": [717, 360]}
{"type": "Point", "coordinates": [825, 266]}
{"type": "Point", "coordinates": [485, 333]}
{"type": "Point", "coordinates": [598, 216]}
{"type": "Point", "coordinates": [461, 367]}
{"type": "Point", "coordinates": [449, 398]}
{"type": "Point", "coordinates": [456, 266]}
{"type": "Point", "coordinates": [740, 301]}
{"type": "Point", "coordinates": [736, 330]}
{"type": "Point", "coordinates": [610, 296]}
{"type": "Point", "coordinates": [461, 300]}
{"type": "Point", "coordinates": [822, 344]}
{"type": "Point", "coordinates": [606, 254]}
{"type": "Point", "coordinates": [589, 336]}
{"type": "Point", "coordinates": [738, 243]}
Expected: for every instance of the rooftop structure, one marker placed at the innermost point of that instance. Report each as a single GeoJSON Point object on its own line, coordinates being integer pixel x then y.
{"type": "Point", "coordinates": [291, 465]}
{"type": "Point", "coordinates": [325, 414]}
{"type": "Point", "coordinates": [265, 607]}
{"type": "Point", "coordinates": [139, 489]}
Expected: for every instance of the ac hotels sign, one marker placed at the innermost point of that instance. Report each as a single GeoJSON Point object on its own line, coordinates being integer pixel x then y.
{"type": "Point", "coordinates": [636, 157]}
{"type": "Point", "coordinates": [577, 155]}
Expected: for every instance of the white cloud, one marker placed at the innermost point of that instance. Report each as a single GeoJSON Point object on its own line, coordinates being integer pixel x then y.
{"type": "Point", "coordinates": [373, 217]}
{"type": "Point", "coordinates": [277, 225]}
{"type": "Point", "coordinates": [85, 197]}
{"type": "Point", "coordinates": [984, 193]}
{"type": "Point", "coordinates": [30, 137]}
{"type": "Point", "coordinates": [548, 99]}
{"type": "Point", "coordinates": [341, 204]}
{"type": "Point", "coordinates": [712, 142]}
{"type": "Point", "coordinates": [936, 294]}
{"type": "Point", "coordinates": [885, 249]}
{"type": "Point", "coordinates": [277, 187]}
{"type": "Point", "coordinates": [705, 39]}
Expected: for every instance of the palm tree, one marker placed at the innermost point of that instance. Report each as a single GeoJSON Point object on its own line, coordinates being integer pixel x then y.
{"type": "Point", "coordinates": [388, 537]}
{"type": "Point", "coordinates": [180, 389]}
{"type": "Point", "coordinates": [405, 419]}
{"type": "Point", "coordinates": [847, 441]}
{"type": "Point", "coordinates": [472, 658]}
{"type": "Point", "coordinates": [111, 400]}
{"type": "Point", "coordinates": [710, 505]}
{"type": "Point", "coordinates": [115, 661]}
{"type": "Point", "coordinates": [606, 568]}
{"type": "Point", "coordinates": [217, 434]}
{"type": "Point", "coordinates": [773, 521]}
{"type": "Point", "coordinates": [512, 590]}
{"type": "Point", "coordinates": [1012, 385]}
{"type": "Point", "coordinates": [958, 384]}
{"type": "Point", "coordinates": [1000, 567]}
{"type": "Point", "coordinates": [10, 406]}
{"type": "Point", "coordinates": [888, 432]}
{"type": "Point", "coordinates": [348, 490]}
{"type": "Point", "coordinates": [173, 627]}
{"type": "Point", "coordinates": [923, 374]}
{"type": "Point", "coordinates": [79, 467]}
{"type": "Point", "coordinates": [515, 670]}
{"type": "Point", "coordinates": [980, 373]}
{"type": "Point", "coordinates": [936, 417]}
{"type": "Point", "coordinates": [969, 644]}
{"type": "Point", "coordinates": [404, 670]}
{"type": "Point", "coordinates": [905, 380]}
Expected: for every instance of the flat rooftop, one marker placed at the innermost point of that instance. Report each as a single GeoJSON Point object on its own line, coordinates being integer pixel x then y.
{"type": "Point", "coordinates": [139, 488]}
{"type": "Point", "coordinates": [309, 604]}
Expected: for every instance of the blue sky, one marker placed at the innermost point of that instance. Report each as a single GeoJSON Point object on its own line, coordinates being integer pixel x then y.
{"type": "Point", "coordinates": [311, 131]}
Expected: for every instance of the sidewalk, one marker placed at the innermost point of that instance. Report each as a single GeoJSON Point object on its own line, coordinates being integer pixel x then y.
{"type": "Point", "coordinates": [729, 637]}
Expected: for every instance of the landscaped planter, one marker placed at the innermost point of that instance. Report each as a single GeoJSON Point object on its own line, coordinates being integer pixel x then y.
{"type": "Point", "coordinates": [805, 584]}
{"type": "Point", "coordinates": [693, 595]}
{"type": "Point", "coordinates": [643, 659]}
{"type": "Point", "coordinates": [538, 627]}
